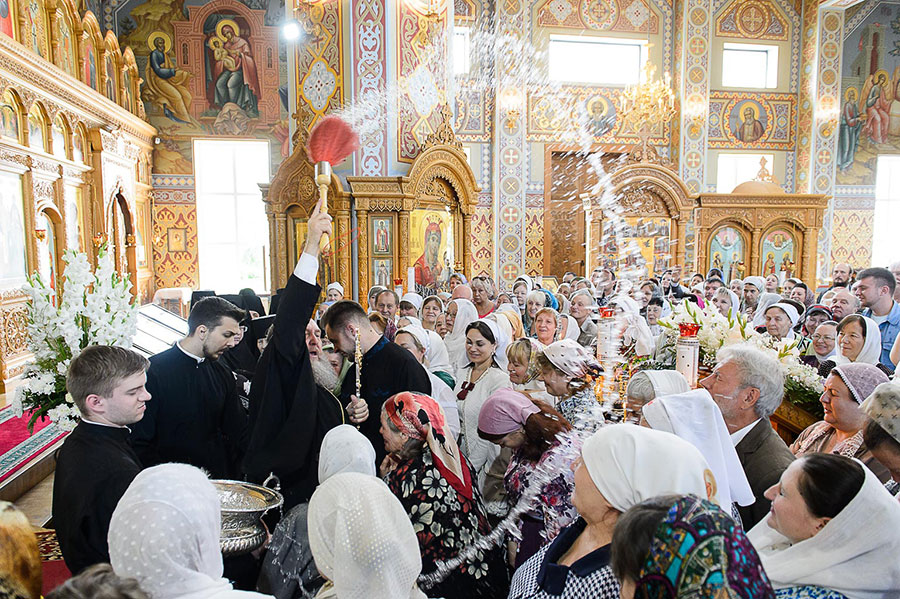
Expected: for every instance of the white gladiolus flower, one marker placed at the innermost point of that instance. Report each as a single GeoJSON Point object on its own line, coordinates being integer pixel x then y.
{"type": "Point", "coordinates": [95, 308]}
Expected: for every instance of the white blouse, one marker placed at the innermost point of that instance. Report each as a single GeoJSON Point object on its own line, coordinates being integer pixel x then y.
{"type": "Point", "coordinates": [480, 453]}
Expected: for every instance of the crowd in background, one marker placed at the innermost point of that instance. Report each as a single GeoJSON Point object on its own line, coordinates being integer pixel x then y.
{"type": "Point", "coordinates": [471, 455]}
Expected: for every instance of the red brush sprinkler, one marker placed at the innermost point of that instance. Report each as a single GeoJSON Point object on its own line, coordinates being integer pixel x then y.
{"type": "Point", "coordinates": [330, 142]}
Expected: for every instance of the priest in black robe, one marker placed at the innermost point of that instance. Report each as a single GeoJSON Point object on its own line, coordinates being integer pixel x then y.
{"type": "Point", "coordinates": [290, 408]}
{"type": "Point", "coordinates": [196, 416]}
{"type": "Point", "coordinates": [387, 368]}
{"type": "Point", "coordinates": [96, 464]}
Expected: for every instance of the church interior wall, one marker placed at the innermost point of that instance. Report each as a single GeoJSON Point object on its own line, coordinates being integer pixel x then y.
{"type": "Point", "coordinates": [74, 159]}
{"type": "Point", "coordinates": [871, 46]}
{"type": "Point", "coordinates": [188, 104]}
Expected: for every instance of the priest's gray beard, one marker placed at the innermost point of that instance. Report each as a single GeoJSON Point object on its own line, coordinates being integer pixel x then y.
{"type": "Point", "coordinates": [323, 373]}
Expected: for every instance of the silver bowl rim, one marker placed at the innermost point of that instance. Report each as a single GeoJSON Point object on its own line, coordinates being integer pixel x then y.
{"type": "Point", "coordinates": [277, 498]}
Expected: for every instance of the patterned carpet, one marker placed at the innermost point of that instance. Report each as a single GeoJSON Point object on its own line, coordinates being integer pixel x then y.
{"type": "Point", "coordinates": [54, 569]}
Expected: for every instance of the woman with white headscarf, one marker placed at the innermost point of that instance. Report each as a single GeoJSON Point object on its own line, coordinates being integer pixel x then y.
{"type": "Point", "coordinates": [695, 417]}
{"type": "Point", "coordinates": [414, 339]}
{"type": "Point", "coordinates": [288, 570]}
{"type": "Point", "coordinates": [780, 319]}
{"type": "Point", "coordinates": [164, 533]}
{"type": "Point", "coordinates": [858, 340]}
{"type": "Point", "coordinates": [636, 334]}
{"type": "Point", "coordinates": [831, 532]}
{"type": "Point", "coordinates": [620, 465]}
{"type": "Point", "coordinates": [646, 385]}
{"type": "Point", "coordinates": [460, 314]}
{"type": "Point", "coordinates": [437, 358]}
{"type": "Point", "coordinates": [363, 541]}
{"type": "Point", "coordinates": [759, 313]}
{"type": "Point", "coordinates": [568, 371]}
{"type": "Point", "coordinates": [727, 302]}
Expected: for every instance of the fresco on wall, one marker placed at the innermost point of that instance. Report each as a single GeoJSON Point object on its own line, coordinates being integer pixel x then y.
{"type": "Point", "coordinates": [209, 71]}
{"type": "Point", "coordinates": [742, 120]}
{"type": "Point", "coordinates": [870, 92]}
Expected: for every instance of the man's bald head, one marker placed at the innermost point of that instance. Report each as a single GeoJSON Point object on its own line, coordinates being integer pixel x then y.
{"type": "Point", "coordinates": [843, 303]}
{"type": "Point", "coordinates": [462, 292]}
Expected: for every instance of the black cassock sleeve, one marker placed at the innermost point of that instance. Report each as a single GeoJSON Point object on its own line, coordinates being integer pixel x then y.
{"type": "Point", "coordinates": [283, 396]}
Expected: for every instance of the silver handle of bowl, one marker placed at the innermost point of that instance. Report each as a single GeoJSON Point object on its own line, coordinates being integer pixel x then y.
{"type": "Point", "coordinates": [276, 487]}
{"type": "Point", "coordinates": [271, 478]}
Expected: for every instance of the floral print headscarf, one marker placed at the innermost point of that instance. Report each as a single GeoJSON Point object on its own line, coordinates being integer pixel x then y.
{"type": "Point", "coordinates": [701, 552]}
{"type": "Point", "coordinates": [420, 417]}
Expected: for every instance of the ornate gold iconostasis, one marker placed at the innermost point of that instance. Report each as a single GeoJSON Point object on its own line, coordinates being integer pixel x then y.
{"type": "Point", "coordinates": [657, 208]}
{"type": "Point", "coordinates": [760, 230]}
{"type": "Point", "coordinates": [75, 157]}
{"type": "Point", "coordinates": [289, 199]}
{"type": "Point", "coordinates": [417, 229]}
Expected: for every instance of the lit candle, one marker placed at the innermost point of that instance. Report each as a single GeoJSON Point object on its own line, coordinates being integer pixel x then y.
{"type": "Point", "coordinates": [411, 278]}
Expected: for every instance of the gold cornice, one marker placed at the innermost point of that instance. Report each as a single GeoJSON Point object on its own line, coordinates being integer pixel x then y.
{"type": "Point", "coordinates": [801, 200]}
{"type": "Point", "coordinates": [21, 68]}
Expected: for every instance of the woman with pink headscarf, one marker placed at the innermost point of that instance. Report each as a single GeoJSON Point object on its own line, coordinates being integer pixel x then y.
{"type": "Point", "coordinates": [531, 430]}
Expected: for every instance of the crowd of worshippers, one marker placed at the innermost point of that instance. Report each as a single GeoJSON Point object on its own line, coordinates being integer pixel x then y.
{"type": "Point", "coordinates": [473, 458]}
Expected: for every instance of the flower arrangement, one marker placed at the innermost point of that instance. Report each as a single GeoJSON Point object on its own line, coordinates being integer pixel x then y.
{"type": "Point", "coordinates": [716, 331]}
{"type": "Point", "coordinates": [802, 386]}
{"type": "Point", "coordinates": [95, 308]}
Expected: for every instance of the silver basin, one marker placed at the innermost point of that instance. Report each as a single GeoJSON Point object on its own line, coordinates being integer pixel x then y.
{"type": "Point", "coordinates": [243, 506]}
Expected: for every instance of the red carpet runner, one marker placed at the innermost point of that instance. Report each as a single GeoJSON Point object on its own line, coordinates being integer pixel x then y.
{"type": "Point", "coordinates": [17, 448]}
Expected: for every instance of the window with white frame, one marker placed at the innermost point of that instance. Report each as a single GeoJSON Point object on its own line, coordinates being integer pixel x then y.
{"type": "Point", "coordinates": [461, 50]}
{"type": "Point", "coordinates": [596, 60]}
{"type": "Point", "coordinates": [887, 210]}
{"type": "Point", "coordinates": [734, 169]}
{"type": "Point", "coordinates": [232, 231]}
{"type": "Point", "coordinates": [750, 66]}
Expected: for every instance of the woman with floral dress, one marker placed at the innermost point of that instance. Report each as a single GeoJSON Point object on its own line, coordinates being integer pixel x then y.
{"type": "Point", "coordinates": [567, 370]}
{"type": "Point", "coordinates": [532, 430]}
{"type": "Point", "coordinates": [434, 482]}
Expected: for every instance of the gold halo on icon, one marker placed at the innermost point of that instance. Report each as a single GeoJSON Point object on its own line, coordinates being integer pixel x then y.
{"type": "Point", "coordinates": [227, 23]}
{"type": "Point", "coordinates": [879, 73]}
{"type": "Point", "coordinates": [752, 107]}
{"type": "Point", "coordinates": [151, 40]}
{"type": "Point", "coordinates": [593, 103]}
{"type": "Point", "coordinates": [847, 93]}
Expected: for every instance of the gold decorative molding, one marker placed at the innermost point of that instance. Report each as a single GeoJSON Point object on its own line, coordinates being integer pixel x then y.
{"type": "Point", "coordinates": [34, 78]}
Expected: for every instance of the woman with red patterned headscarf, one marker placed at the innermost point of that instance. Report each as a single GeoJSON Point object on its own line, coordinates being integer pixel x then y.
{"type": "Point", "coordinates": [433, 480]}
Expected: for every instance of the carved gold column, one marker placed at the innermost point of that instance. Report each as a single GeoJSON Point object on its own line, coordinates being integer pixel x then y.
{"type": "Point", "coordinates": [52, 34]}
{"type": "Point", "coordinates": [403, 257]}
{"type": "Point", "coordinates": [755, 266]}
{"type": "Point", "coordinates": [362, 254]}
{"type": "Point", "coordinates": [680, 241]}
{"type": "Point", "coordinates": [281, 257]}
{"type": "Point", "coordinates": [810, 255]}
{"type": "Point", "coordinates": [467, 245]}
{"type": "Point", "coordinates": [343, 258]}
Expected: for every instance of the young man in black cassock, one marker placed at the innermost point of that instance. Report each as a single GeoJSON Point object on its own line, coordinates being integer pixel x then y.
{"type": "Point", "coordinates": [289, 411]}
{"type": "Point", "coordinates": [96, 464]}
{"type": "Point", "coordinates": [196, 416]}
{"type": "Point", "coordinates": [387, 369]}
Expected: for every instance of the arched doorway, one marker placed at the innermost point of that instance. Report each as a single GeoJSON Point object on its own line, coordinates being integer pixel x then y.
{"type": "Point", "coordinates": [120, 237]}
